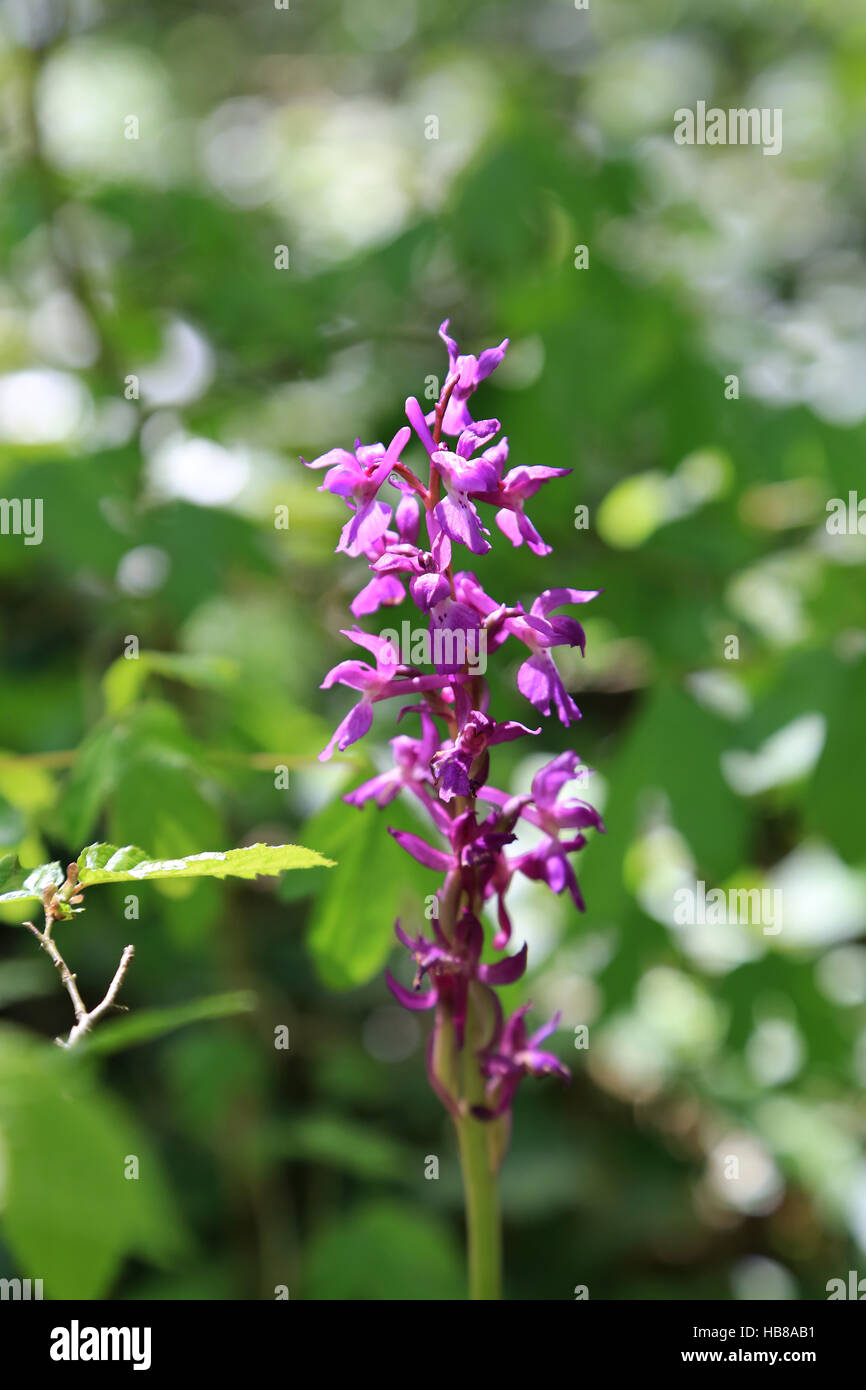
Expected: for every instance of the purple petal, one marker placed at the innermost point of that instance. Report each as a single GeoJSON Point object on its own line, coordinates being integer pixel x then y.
{"type": "Point", "coordinates": [355, 725]}
{"type": "Point", "coordinates": [343, 479]}
{"type": "Point", "coordinates": [450, 344]}
{"type": "Point", "coordinates": [509, 730]}
{"type": "Point", "coordinates": [533, 538]}
{"type": "Point", "coordinates": [330, 459]}
{"type": "Point", "coordinates": [504, 972]}
{"type": "Point", "coordinates": [407, 519]}
{"type": "Point", "coordinates": [403, 937]}
{"type": "Point", "coordinates": [410, 998]}
{"type": "Point", "coordinates": [429, 589]}
{"type": "Point", "coordinates": [459, 520]}
{"type": "Point", "coordinates": [382, 789]}
{"type": "Point", "coordinates": [420, 850]}
{"type": "Point", "coordinates": [544, 1064]}
{"type": "Point", "coordinates": [514, 1033]}
{"type": "Point", "coordinates": [540, 682]}
{"type": "Point", "coordinates": [453, 776]}
{"type": "Point", "coordinates": [390, 458]}
{"type": "Point", "coordinates": [380, 647]}
{"type": "Point", "coordinates": [367, 525]}
{"type": "Point", "coordinates": [465, 474]}
{"type": "Point", "coordinates": [385, 590]}
{"type": "Point", "coordinates": [490, 359]}
{"type": "Point", "coordinates": [545, 1030]}
{"type": "Point", "coordinates": [358, 675]}
{"type": "Point", "coordinates": [549, 781]}
{"type": "Point", "coordinates": [415, 416]}
{"type": "Point", "coordinates": [476, 435]}
{"type": "Point", "coordinates": [554, 598]}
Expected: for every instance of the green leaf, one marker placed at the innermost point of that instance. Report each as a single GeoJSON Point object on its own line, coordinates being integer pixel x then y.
{"type": "Point", "coordinates": [333, 1141]}
{"type": "Point", "coordinates": [352, 925]}
{"type": "Point", "coordinates": [102, 863]}
{"type": "Point", "coordinates": [25, 784]}
{"type": "Point", "coordinates": [125, 678]}
{"type": "Point", "coordinates": [151, 780]}
{"type": "Point", "coordinates": [70, 1212]}
{"type": "Point", "coordinates": [148, 1024]}
{"type": "Point", "coordinates": [18, 884]}
{"type": "Point", "coordinates": [384, 1250]}
{"type": "Point", "coordinates": [108, 864]}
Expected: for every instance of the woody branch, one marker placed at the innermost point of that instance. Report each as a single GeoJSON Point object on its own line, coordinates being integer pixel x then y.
{"type": "Point", "coordinates": [58, 904]}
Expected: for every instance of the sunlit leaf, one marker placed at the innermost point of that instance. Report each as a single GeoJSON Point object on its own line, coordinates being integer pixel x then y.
{"type": "Point", "coordinates": [108, 864]}
{"type": "Point", "coordinates": [101, 863]}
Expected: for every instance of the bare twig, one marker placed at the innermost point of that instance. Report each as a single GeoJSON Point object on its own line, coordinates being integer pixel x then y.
{"type": "Point", "coordinates": [56, 902]}
{"type": "Point", "coordinates": [66, 975]}
{"type": "Point", "coordinates": [86, 1023]}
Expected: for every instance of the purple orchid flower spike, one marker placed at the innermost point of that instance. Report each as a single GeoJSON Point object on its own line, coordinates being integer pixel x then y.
{"type": "Point", "coordinates": [476, 1060]}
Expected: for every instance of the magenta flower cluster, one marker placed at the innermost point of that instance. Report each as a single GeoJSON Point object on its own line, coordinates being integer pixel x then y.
{"type": "Point", "coordinates": [446, 767]}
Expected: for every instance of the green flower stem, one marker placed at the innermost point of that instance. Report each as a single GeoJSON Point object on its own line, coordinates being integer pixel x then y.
{"type": "Point", "coordinates": [483, 1220]}
{"type": "Point", "coordinates": [482, 1145]}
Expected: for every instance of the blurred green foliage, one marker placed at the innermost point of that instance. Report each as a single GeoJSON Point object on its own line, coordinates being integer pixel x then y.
{"type": "Point", "coordinates": [159, 380]}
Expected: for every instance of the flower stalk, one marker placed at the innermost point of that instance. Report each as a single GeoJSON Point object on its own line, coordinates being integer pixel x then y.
{"type": "Point", "coordinates": [483, 1219]}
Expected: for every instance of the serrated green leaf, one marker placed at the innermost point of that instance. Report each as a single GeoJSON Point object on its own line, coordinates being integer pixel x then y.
{"type": "Point", "coordinates": [102, 863]}
{"type": "Point", "coordinates": [28, 884]}
{"type": "Point", "coordinates": [109, 864]}
{"type": "Point", "coordinates": [110, 858]}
